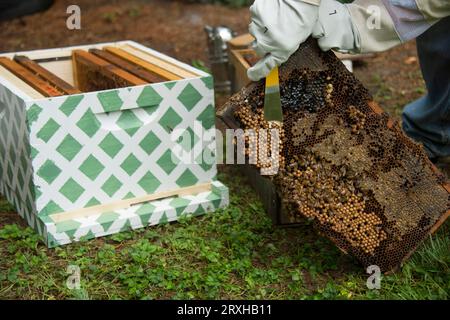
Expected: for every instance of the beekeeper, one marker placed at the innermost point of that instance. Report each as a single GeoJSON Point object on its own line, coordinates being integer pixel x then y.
{"type": "Point", "coordinates": [280, 26]}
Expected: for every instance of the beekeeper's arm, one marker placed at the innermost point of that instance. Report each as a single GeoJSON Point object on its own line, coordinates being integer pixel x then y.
{"type": "Point", "coordinates": [375, 25]}
{"type": "Point", "coordinates": [280, 26]}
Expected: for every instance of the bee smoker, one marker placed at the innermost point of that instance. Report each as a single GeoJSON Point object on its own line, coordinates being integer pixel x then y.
{"type": "Point", "coordinates": [218, 56]}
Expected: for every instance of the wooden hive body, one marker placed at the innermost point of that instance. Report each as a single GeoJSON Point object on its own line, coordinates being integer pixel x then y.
{"type": "Point", "coordinates": [107, 157]}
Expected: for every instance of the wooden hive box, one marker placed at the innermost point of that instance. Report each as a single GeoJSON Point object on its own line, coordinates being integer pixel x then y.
{"type": "Point", "coordinates": [91, 146]}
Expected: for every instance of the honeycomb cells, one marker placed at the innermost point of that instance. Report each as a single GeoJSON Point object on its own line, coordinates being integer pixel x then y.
{"type": "Point", "coordinates": [347, 166]}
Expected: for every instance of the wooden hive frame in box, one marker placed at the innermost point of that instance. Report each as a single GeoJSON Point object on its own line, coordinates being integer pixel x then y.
{"type": "Point", "coordinates": [93, 138]}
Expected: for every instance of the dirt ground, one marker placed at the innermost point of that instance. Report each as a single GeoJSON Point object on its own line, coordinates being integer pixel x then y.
{"type": "Point", "coordinates": [176, 28]}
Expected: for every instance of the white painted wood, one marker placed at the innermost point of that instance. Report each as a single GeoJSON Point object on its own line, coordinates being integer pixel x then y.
{"type": "Point", "coordinates": [63, 69]}
{"type": "Point", "coordinates": [163, 63]}
{"type": "Point", "coordinates": [164, 57]}
{"type": "Point", "coordinates": [123, 204]}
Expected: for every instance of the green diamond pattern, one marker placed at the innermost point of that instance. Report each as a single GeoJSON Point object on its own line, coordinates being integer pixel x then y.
{"type": "Point", "coordinates": [209, 82]}
{"type": "Point", "coordinates": [69, 226]}
{"type": "Point", "coordinates": [20, 178]}
{"type": "Point", "coordinates": [129, 122]}
{"type": "Point", "coordinates": [170, 120]}
{"type": "Point", "coordinates": [71, 190]}
{"type": "Point", "coordinates": [12, 154]}
{"type": "Point", "coordinates": [48, 130]}
{"type": "Point", "coordinates": [179, 204]}
{"type": "Point", "coordinates": [189, 97]}
{"type": "Point", "coordinates": [131, 164]}
{"type": "Point", "coordinates": [149, 182]}
{"type": "Point", "coordinates": [70, 104]}
{"type": "Point", "coordinates": [207, 117]}
{"type": "Point", "coordinates": [107, 219]}
{"type": "Point", "coordinates": [49, 171]}
{"type": "Point", "coordinates": [204, 158]}
{"type": "Point", "coordinates": [50, 208]}
{"type": "Point", "coordinates": [33, 113]}
{"type": "Point", "coordinates": [129, 195]}
{"type": "Point", "coordinates": [149, 98]}
{"type": "Point", "coordinates": [111, 145]}
{"type": "Point", "coordinates": [187, 179]}
{"type": "Point", "coordinates": [69, 147]}
{"type": "Point", "coordinates": [92, 202]}
{"type": "Point", "coordinates": [166, 162]}
{"type": "Point", "coordinates": [111, 186]}
{"type": "Point", "coordinates": [110, 100]}
{"type": "Point", "coordinates": [188, 139]}
{"type": "Point", "coordinates": [89, 124]}
{"type": "Point", "coordinates": [11, 173]}
{"type": "Point", "coordinates": [33, 152]}
{"type": "Point", "coordinates": [150, 143]}
{"type": "Point", "coordinates": [170, 84]}
{"type": "Point", "coordinates": [24, 161]}
{"type": "Point", "coordinates": [91, 167]}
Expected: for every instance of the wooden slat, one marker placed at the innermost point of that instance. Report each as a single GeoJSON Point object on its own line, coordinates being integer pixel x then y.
{"type": "Point", "coordinates": [241, 42]}
{"type": "Point", "coordinates": [375, 107]}
{"type": "Point", "coordinates": [353, 56]}
{"type": "Point", "coordinates": [132, 68]}
{"type": "Point", "coordinates": [143, 63]}
{"type": "Point", "coordinates": [168, 65]}
{"type": "Point", "coordinates": [20, 84]}
{"type": "Point", "coordinates": [31, 79]}
{"type": "Point", "coordinates": [46, 75]}
{"type": "Point", "coordinates": [106, 75]}
{"type": "Point", "coordinates": [240, 66]}
{"type": "Point", "coordinates": [123, 204]}
{"type": "Point", "coordinates": [440, 222]}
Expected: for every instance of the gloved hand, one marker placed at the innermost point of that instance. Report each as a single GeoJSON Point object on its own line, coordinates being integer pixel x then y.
{"type": "Point", "coordinates": [279, 27]}
{"type": "Point", "coordinates": [335, 28]}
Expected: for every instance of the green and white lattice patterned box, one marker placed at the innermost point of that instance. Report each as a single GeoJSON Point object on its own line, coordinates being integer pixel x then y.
{"type": "Point", "coordinates": [62, 154]}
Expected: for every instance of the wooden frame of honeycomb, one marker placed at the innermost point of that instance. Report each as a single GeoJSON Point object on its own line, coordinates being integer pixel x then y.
{"type": "Point", "coordinates": [347, 166]}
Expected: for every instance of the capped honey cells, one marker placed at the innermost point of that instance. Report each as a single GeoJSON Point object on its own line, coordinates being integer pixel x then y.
{"type": "Point", "coordinates": [344, 164]}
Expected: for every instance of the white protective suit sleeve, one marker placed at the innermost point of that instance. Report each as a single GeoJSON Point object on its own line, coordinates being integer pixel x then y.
{"type": "Point", "coordinates": [375, 25]}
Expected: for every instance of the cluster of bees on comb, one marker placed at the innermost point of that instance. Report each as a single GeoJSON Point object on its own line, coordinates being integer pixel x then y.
{"type": "Point", "coordinates": [330, 197]}
{"type": "Point", "coordinates": [260, 136]}
{"type": "Point", "coordinates": [334, 152]}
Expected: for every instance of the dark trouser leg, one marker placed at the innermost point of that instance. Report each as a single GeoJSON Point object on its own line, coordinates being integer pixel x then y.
{"type": "Point", "coordinates": [427, 120]}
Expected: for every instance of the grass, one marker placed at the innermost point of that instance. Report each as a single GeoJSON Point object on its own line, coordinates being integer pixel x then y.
{"type": "Point", "coordinates": [235, 253]}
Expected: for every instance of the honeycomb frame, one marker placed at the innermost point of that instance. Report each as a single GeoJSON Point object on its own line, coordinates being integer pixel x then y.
{"type": "Point", "coordinates": [344, 163]}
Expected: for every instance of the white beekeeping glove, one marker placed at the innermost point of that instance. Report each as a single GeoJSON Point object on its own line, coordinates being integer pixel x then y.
{"type": "Point", "coordinates": [375, 25]}
{"type": "Point", "coordinates": [279, 27]}
{"type": "Point", "coordinates": [335, 28]}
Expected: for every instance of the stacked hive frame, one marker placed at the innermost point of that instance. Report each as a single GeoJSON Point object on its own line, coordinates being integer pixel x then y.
{"type": "Point", "coordinates": [346, 165]}
{"type": "Point", "coordinates": [92, 139]}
